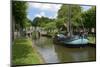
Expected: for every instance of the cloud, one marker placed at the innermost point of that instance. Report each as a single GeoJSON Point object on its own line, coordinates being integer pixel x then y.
{"type": "Point", "coordinates": [40, 14]}
{"type": "Point", "coordinates": [85, 8]}
{"type": "Point", "coordinates": [42, 9]}
{"type": "Point", "coordinates": [45, 6]}
{"type": "Point", "coordinates": [54, 16]}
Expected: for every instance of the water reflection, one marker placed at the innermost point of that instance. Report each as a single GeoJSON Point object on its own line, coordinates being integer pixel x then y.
{"type": "Point", "coordinates": [75, 54]}
{"type": "Point", "coordinates": [53, 53]}
{"type": "Point", "coordinates": [47, 50]}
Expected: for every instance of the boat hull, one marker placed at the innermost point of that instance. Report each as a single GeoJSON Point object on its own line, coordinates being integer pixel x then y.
{"type": "Point", "coordinates": [81, 41]}
{"type": "Point", "coordinates": [72, 41]}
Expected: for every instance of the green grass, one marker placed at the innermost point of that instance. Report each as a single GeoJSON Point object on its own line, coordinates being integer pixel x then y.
{"type": "Point", "coordinates": [92, 40]}
{"type": "Point", "coordinates": [24, 53]}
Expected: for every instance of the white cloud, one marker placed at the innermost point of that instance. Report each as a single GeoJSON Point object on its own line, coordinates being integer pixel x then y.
{"type": "Point", "coordinates": [54, 16]}
{"type": "Point", "coordinates": [44, 15]}
{"type": "Point", "coordinates": [45, 6]}
{"type": "Point", "coordinates": [85, 8]}
{"type": "Point", "coordinates": [40, 14]}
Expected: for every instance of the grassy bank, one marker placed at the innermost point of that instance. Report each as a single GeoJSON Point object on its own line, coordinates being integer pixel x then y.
{"type": "Point", "coordinates": [24, 53]}
{"type": "Point", "coordinates": [92, 40]}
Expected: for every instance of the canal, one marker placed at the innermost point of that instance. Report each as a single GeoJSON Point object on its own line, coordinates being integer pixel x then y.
{"type": "Point", "coordinates": [54, 53]}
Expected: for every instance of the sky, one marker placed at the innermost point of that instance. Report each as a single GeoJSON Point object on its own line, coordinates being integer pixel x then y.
{"type": "Point", "coordinates": [44, 9]}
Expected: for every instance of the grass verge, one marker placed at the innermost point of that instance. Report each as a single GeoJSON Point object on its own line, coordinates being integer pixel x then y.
{"type": "Point", "coordinates": [92, 40]}
{"type": "Point", "coordinates": [23, 52]}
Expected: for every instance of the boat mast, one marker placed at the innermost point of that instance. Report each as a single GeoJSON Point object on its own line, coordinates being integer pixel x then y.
{"type": "Point", "coordinates": [82, 25]}
{"type": "Point", "coordinates": [69, 21]}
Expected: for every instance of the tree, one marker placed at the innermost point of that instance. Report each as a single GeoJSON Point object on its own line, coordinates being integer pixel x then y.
{"type": "Point", "coordinates": [89, 18]}
{"type": "Point", "coordinates": [50, 26]}
{"type": "Point", "coordinates": [63, 13]}
{"type": "Point", "coordinates": [41, 21]}
{"type": "Point", "coordinates": [28, 23]}
{"type": "Point", "coordinates": [60, 23]}
{"type": "Point", "coordinates": [35, 21]}
{"type": "Point", "coordinates": [19, 13]}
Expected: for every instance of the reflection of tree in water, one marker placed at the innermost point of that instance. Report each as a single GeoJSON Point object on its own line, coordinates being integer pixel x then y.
{"type": "Point", "coordinates": [44, 42]}
{"type": "Point", "coordinates": [46, 49]}
{"type": "Point", "coordinates": [75, 54]}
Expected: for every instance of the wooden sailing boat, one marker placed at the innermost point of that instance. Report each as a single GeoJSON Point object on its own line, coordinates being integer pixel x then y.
{"type": "Point", "coordinates": [73, 40]}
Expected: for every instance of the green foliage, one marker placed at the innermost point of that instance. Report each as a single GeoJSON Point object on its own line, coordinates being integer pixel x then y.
{"type": "Point", "coordinates": [78, 18]}
{"type": "Point", "coordinates": [44, 21]}
{"type": "Point", "coordinates": [76, 15]}
{"type": "Point", "coordinates": [92, 39]}
{"type": "Point", "coordinates": [19, 13]}
{"type": "Point", "coordinates": [27, 23]}
{"type": "Point", "coordinates": [36, 21]}
{"type": "Point", "coordinates": [50, 25]}
{"type": "Point", "coordinates": [60, 22]}
{"type": "Point", "coordinates": [63, 11]}
{"type": "Point", "coordinates": [41, 21]}
{"type": "Point", "coordinates": [89, 17]}
{"type": "Point", "coordinates": [63, 16]}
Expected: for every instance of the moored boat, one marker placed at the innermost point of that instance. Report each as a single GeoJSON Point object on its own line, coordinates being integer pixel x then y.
{"type": "Point", "coordinates": [72, 41]}
{"type": "Point", "coordinates": [78, 40]}
{"type": "Point", "coordinates": [70, 38]}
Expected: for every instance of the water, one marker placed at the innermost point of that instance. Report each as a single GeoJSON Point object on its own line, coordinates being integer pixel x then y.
{"type": "Point", "coordinates": [54, 53]}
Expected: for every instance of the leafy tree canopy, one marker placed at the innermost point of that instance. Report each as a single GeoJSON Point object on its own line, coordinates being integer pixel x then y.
{"type": "Point", "coordinates": [89, 17]}
{"type": "Point", "coordinates": [19, 12]}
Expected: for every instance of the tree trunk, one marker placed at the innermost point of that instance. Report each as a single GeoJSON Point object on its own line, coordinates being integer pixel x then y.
{"type": "Point", "coordinates": [13, 28]}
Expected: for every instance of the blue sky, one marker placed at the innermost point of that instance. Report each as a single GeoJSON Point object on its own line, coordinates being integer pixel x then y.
{"type": "Point", "coordinates": [47, 10]}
